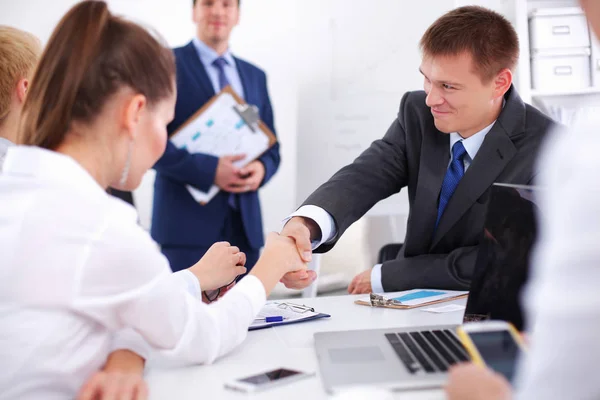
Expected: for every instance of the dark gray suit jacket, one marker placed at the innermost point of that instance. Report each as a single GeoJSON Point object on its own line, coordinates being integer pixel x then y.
{"type": "Point", "coordinates": [414, 154]}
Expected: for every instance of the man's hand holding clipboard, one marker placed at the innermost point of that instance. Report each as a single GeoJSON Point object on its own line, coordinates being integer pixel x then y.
{"type": "Point", "coordinates": [229, 129]}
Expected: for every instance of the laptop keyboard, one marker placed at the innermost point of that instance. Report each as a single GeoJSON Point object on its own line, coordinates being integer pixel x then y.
{"type": "Point", "coordinates": [430, 351]}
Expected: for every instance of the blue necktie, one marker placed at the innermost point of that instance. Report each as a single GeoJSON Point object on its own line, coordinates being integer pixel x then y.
{"type": "Point", "coordinates": [455, 172]}
{"type": "Point", "coordinates": [220, 63]}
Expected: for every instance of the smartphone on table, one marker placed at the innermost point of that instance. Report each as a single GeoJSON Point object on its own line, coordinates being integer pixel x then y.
{"type": "Point", "coordinates": [495, 344]}
{"type": "Point", "coordinates": [267, 380]}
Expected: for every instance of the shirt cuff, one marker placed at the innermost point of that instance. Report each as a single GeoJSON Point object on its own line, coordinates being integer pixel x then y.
{"type": "Point", "coordinates": [322, 218]}
{"type": "Point", "coordinates": [252, 288]}
{"type": "Point", "coordinates": [189, 283]}
{"type": "Point", "coordinates": [376, 284]}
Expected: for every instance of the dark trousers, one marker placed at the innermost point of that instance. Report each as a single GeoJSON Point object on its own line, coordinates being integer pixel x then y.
{"type": "Point", "coordinates": [233, 232]}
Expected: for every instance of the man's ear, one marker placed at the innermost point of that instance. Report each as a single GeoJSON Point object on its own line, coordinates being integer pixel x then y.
{"type": "Point", "coordinates": [502, 82]}
{"type": "Point", "coordinates": [21, 89]}
{"type": "Point", "coordinates": [135, 107]}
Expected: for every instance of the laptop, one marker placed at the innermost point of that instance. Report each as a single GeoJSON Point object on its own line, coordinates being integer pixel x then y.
{"type": "Point", "coordinates": [419, 357]}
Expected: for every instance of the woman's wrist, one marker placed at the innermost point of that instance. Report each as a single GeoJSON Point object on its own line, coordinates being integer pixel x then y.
{"type": "Point", "coordinates": [268, 276]}
{"type": "Point", "coordinates": [124, 361]}
{"type": "Point", "coordinates": [203, 278]}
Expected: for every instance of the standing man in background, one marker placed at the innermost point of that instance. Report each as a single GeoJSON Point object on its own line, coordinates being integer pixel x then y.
{"type": "Point", "coordinates": [185, 229]}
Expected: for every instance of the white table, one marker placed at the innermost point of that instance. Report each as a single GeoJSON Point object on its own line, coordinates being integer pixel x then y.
{"type": "Point", "coordinates": [289, 346]}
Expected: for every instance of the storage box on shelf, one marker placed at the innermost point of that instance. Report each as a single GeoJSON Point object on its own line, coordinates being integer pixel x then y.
{"type": "Point", "coordinates": [560, 50]}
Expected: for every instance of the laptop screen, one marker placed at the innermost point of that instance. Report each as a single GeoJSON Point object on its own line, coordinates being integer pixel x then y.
{"type": "Point", "coordinates": [502, 265]}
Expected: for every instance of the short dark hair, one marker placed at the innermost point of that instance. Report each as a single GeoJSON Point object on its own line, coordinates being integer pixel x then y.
{"type": "Point", "coordinates": [486, 35]}
{"type": "Point", "coordinates": [194, 3]}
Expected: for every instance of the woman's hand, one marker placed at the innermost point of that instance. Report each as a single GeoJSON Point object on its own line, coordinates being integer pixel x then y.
{"type": "Point", "coordinates": [221, 264]}
{"type": "Point", "coordinates": [120, 379]}
{"type": "Point", "coordinates": [114, 386]}
{"type": "Point", "coordinates": [279, 257]}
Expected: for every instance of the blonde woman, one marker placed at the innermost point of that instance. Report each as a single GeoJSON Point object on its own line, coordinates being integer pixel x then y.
{"type": "Point", "coordinates": [19, 52]}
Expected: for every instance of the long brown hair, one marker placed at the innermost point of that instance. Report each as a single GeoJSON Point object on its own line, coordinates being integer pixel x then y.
{"type": "Point", "coordinates": [89, 57]}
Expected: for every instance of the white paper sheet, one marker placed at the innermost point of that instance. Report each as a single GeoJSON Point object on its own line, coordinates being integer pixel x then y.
{"type": "Point", "coordinates": [445, 309]}
{"type": "Point", "coordinates": [220, 131]}
{"type": "Point", "coordinates": [273, 310]}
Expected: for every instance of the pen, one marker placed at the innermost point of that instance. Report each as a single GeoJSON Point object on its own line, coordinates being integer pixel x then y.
{"type": "Point", "coordinates": [275, 318]}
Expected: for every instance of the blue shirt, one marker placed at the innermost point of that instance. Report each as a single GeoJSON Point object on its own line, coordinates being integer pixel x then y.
{"type": "Point", "coordinates": [472, 144]}
{"type": "Point", "coordinates": [208, 56]}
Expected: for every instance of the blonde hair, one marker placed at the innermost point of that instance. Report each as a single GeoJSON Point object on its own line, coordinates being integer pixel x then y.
{"type": "Point", "coordinates": [19, 53]}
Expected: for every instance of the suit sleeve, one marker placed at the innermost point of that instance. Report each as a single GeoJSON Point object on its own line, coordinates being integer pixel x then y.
{"type": "Point", "coordinates": [271, 158]}
{"type": "Point", "coordinates": [376, 174]}
{"type": "Point", "coordinates": [197, 169]}
{"type": "Point", "coordinates": [452, 271]}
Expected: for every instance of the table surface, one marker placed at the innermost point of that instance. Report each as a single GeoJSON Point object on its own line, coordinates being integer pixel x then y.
{"type": "Point", "coordinates": [291, 346]}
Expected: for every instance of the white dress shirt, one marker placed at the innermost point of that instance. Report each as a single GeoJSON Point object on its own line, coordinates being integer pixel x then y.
{"type": "Point", "coordinates": [208, 56]}
{"type": "Point", "coordinates": [327, 224]}
{"type": "Point", "coordinates": [4, 145]}
{"type": "Point", "coordinates": [79, 278]}
{"type": "Point", "coordinates": [563, 296]}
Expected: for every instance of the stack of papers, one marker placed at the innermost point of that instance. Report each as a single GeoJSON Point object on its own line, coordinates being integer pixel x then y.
{"type": "Point", "coordinates": [288, 316]}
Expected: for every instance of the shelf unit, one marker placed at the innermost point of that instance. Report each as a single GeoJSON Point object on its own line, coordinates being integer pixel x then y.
{"type": "Point", "coordinates": [518, 11]}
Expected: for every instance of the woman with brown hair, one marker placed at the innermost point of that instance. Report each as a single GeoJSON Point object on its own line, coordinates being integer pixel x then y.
{"type": "Point", "coordinates": [79, 277]}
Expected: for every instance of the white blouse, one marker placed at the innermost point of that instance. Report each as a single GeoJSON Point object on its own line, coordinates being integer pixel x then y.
{"type": "Point", "coordinates": [4, 145]}
{"type": "Point", "coordinates": [562, 296]}
{"type": "Point", "coordinates": [76, 269]}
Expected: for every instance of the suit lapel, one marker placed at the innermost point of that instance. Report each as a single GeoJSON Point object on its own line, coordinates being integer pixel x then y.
{"type": "Point", "coordinates": [495, 153]}
{"type": "Point", "coordinates": [245, 79]}
{"type": "Point", "coordinates": [435, 156]}
{"type": "Point", "coordinates": [199, 72]}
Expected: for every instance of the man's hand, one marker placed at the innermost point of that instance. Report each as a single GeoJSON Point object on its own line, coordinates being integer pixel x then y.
{"type": "Point", "coordinates": [361, 283]}
{"type": "Point", "coordinates": [253, 175]}
{"type": "Point", "coordinates": [228, 175]}
{"type": "Point", "coordinates": [471, 382]}
{"type": "Point", "coordinates": [121, 378]}
{"type": "Point", "coordinates": [221, 264]}
{"type": "Point", "coordinates": [301, 230]}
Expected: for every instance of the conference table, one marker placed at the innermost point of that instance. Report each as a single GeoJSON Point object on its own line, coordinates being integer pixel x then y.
{"type": "Point", "coordinates": [291, 346]}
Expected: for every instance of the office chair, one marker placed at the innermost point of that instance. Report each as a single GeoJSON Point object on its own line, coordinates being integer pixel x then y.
{"type": "Point", "coordinates": [389, 252]}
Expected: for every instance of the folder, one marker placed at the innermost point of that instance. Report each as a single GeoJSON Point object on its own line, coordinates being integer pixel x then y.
{"type": "Point", "coordinates": [225, 125]}
{"type": "Point", "coordinates": [410, 299]}
{"type": "Point", "coordinates": [284, 313]}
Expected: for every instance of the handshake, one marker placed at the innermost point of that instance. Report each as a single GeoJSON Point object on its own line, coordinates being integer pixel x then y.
{"type": "Point", "coordinates": [283, 259]}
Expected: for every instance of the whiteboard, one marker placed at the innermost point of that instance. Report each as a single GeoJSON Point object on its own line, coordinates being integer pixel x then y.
{"type": "Point", "coordinates": [357, 60]}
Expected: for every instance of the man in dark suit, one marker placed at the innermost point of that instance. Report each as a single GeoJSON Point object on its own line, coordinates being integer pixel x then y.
{"type": "Point", "coordinates": [468, 129]}
{"type": "Point", "coordinates": [184, 228]}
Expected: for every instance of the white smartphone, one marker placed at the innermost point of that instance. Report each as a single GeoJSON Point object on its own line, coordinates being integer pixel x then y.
{"type": "Point", "coordinates": [496, 344]}
{"type": "Point", "coordinates": [267, 380]}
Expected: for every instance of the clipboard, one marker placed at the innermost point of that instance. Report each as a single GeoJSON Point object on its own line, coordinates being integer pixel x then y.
{"type": "Point", "coordinates": [275, 308]}
{"type": "Point", "coordinates": [415, 298]}
{"type": "Point", "coordinates": [224, 125]}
